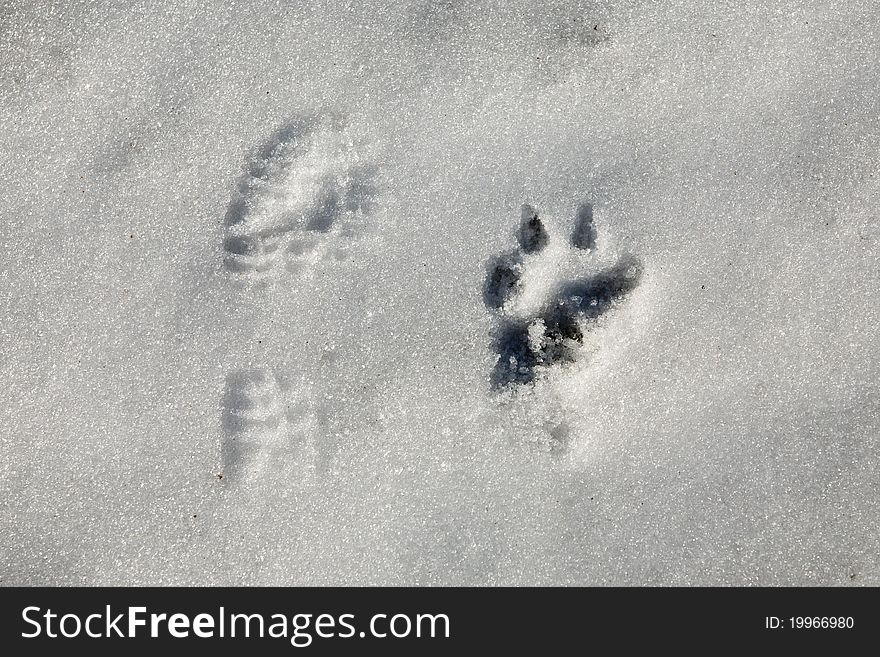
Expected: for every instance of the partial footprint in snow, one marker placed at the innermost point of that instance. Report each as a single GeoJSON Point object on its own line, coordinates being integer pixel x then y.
{"type": "Point", "coordinates": [305, 194]}
{"type": "Point", "coordinates": [253, 420]}
{"type": "Point", "coordinates": [537, 329]}
{"type": "Point", "coordinates": [268, 426]}
{"type": "Point", "coordinates": [306, 187]}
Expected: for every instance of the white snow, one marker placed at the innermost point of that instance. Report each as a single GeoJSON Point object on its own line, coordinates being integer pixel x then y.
{"type": "Point", "coordinates": [718, 425]}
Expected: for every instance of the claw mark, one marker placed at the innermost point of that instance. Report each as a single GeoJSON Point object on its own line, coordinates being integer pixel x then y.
{"type": "Point", "coordinates": [584, 236]}
{"type": "Point", "coordinates": [532, 235]}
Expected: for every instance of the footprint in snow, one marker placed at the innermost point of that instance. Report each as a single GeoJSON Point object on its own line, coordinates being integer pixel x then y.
{"type": "Point", "coordinates": [305, 194]}
{"type": "Point", "coordinates": [302, 193]}
{"type": "Point", "coordinates": [533, 338]}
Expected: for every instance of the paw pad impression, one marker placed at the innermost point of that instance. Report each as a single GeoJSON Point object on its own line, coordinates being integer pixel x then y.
{"type": "Point", "coordinates": [554, 334]}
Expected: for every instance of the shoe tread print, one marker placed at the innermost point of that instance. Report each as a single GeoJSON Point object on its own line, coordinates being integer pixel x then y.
{"type": "Point", "coordinates": [306, 185]}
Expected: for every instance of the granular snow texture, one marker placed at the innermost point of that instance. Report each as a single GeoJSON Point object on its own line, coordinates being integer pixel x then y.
{"type": "Point", "coordinates": [440, 292]}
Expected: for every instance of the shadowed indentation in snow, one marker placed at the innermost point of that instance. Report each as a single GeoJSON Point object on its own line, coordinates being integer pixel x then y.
{"type": "Point", "coordinates": [305, 179]}
{"type": "Point", "coordinates": [265, 162]}
{"type": "Point", "coordinates": [354, 193]}
{"type": "Point", "coordinates": [532, 235]}
{"type": "Point", "coordinates": [555, 333]}
{"type": "Point", "coordinates": [252, 408]}
{"type": "Point", "coordinates": [594, 295]}
{"type": "Point", "coordinates": [502, 279]}
{"type": "Point", "coordinates": [522, 346]}
{"type": "Point", "coordinates": [584, 235]}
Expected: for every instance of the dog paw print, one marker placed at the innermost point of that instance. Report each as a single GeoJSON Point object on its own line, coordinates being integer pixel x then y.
{"type": "Point", "coordinates": [547, 294]}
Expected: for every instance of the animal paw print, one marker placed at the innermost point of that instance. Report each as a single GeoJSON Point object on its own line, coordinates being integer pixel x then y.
{"type": "Point", "coordinates": [306, 185]}
{"type": "Point", "coordinates": [542, 313]}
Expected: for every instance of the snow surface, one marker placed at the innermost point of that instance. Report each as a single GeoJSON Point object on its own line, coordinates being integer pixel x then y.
{"type": "Point", "coordinates": [245, 337]}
